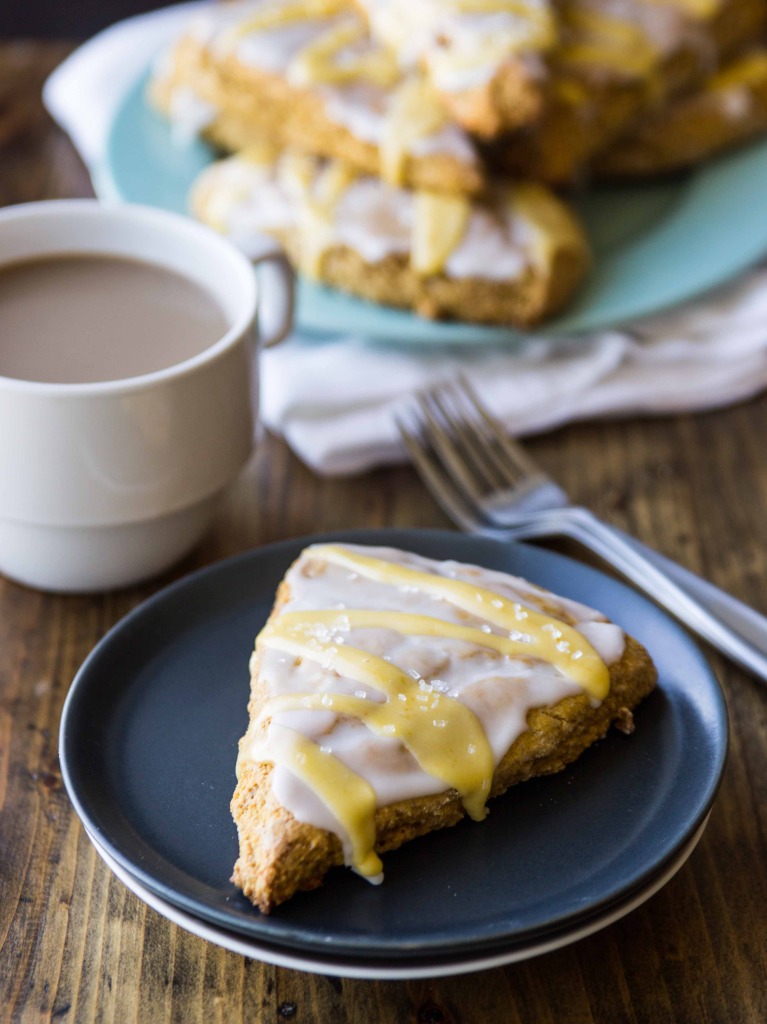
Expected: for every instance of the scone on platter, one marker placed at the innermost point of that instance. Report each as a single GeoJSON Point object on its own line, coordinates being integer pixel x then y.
{"type": "Point", "coordinates": [392, 694]}
{"type": "Point", "coordinates": [730, 109]}
{"type": "Point", "coordinates": [404, 151]}
{"type": "Point", "coordinates": [617, 62]}
{"type": "Point", "coordinates": [306, 74]}
{"type": "Point", "coordinates": [514, 256]}
{"type": "Point", "coordinates": [485, 58]}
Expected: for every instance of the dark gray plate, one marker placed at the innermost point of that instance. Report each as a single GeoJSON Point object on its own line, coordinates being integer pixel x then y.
{"type": "Point", "coordinates": [149, 739]}
{"type": "Point", "coordinates": [328, 962]}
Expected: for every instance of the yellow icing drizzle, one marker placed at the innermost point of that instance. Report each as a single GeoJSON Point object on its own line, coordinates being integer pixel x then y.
{"type": "Point", "coordinates": [443, 735]}
{"type": "Point", "coordinates": [278, 14]}
{"type": "Point", "coordinates": [536, 29]}
{"type": "Point", "coordinates": [606, 42]}
{"type": "Point", "coordinates": [263, 153]}
{"type": "Point", "coordinates": [297, 171]}
{"type": "Point", "coordinates": [592, 24]}
{"type": "Point", "coordinates": [319, 62]}
{"type": "Point", "coordinates": [518, 7]}
{"type": "Point", "coordinates": [538, 33]}
{"type": "Point", "coordinates": [570, 91]}
{"type": "Point", "coordinates": [406, 624]}
{"type": "Point", "coordinates": [749, 71]}
{"type": "Point", "coordinates": [698, 8]}
{"type": "Point", "coordinates": [550, 226]}
{"type": "Point", "coordinates": [414, 113]}
{"type": "Point", "coordinates": [349, 797]}
{"type": "Point", "coordinates": [638, 62]}
{"type": "Point", "coordinates": [439, 220]}
{"type": "Point", "coordinates": [439, 224]}
{"type": "Point", "coordinates": [550, 639]}
{"type": "Point", "coordinates": [316, 196]}
{"type": "Point", "coordinates": [332, 182]}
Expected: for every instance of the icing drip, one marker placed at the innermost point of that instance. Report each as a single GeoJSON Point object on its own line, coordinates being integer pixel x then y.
{"type": "Point", "coordinates": [749, 71]}
{"type": "Point", "coordinates": [414, 113]}
{"type": "Point", "coordinates": [440, 224]}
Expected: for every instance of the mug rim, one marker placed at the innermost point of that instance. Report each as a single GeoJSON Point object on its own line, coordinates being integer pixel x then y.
{"type": "Point", "coordinates": [221, 248]}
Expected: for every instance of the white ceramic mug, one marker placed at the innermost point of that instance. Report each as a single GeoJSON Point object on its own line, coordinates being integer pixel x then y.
{"type": "Point", "coordinates": [104, 484]}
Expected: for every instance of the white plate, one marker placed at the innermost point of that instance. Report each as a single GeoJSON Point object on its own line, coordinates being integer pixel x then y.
{"type": "Point", "coordinates": [146, 750]}
{"type": "Point", "coordinates": [391, 971]}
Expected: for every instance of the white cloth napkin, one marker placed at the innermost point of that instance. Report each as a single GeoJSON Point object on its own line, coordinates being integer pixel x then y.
{"type": "Point", "coordinates": [333, 400]}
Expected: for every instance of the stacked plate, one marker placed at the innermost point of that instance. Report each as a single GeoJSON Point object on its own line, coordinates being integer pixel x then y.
{"type": "Point", "coordinates": [148, 746]}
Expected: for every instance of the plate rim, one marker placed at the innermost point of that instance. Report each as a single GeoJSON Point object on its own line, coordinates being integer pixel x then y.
{"type": "Point", "coordinates": [282, 933]}
{"type": "Point", "coordinates": [395, 970]}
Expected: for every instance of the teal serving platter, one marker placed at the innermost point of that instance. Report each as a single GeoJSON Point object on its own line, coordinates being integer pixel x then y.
{"type": "Point", "coordinates": [655, 245]}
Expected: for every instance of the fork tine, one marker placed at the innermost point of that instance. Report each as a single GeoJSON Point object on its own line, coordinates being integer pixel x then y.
{"type": "Point", "coordinates": [516, 457]}
{"type": "Point", "coordinates": [474, 470]}
{"type": "Point", "coordinates": [450, 500]}
{"type": "Point", "coordinates": [438, 437]}
{"type": "Point", "coordinates": [475, 448]}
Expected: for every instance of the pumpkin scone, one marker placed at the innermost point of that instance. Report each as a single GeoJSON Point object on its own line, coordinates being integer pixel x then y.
{"type": "Point", "coordinates": [617, 62]}
{"type": "Point", "coordinates": [485, 58]}
{"type": "Point", "coordinates": [305, 74]}
{"type": "Point", "coordinates": [730, 109]}
{"type": "Point", "coordinates": [513, 256]}
{"type": "Point", "coordinates": [392, 694]}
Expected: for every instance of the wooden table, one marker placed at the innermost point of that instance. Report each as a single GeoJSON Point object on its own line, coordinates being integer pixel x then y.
{"type": "Point", "coordinates": [76, 945]}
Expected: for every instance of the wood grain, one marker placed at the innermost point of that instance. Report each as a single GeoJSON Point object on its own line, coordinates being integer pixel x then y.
{"type": "Point", "coordinates": [75, 945]}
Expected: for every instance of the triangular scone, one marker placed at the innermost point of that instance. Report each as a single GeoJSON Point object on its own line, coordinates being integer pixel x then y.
{"type": "Point", "coordinates": [616, 62]}
{"type": "Point", "coordinates": [392, 694]}
{"type": "Point", "coordinates": [730, 109]}
{"type": "Point", "coordinates": [485, 58]}
{"type": "Point", "coordinates": [304, 73]}
{"type": "Point", "coordinates": [512, 257]}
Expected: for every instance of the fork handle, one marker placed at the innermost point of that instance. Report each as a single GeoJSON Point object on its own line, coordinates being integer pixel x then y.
{"type": "Point", "coordinates": [732, 627]}
{"type": "Point", "coordinates": [740, 617]}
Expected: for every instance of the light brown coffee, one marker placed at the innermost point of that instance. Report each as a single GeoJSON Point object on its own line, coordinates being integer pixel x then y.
{"type": "Point", "coordinates": [83, 318]}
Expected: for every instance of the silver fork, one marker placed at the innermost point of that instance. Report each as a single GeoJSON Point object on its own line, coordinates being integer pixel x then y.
{"type": "Point", "coordinates": [488, 485]}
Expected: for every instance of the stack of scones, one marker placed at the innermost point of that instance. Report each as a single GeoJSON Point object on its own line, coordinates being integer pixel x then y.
{"type": "Point", "coordinates": [415, 152]}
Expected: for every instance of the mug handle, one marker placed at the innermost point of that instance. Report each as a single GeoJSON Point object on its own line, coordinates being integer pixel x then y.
{"type": "Point", "coordinates": [276, 293]}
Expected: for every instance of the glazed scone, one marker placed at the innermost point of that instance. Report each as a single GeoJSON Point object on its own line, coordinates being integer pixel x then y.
{"type": "Point", "coordinates": [729, 110]}
{"type": "Point", "coordinates": [305, 74]}
{"type": "Point", "coordinates": [617, 62]}
{"type": "Point", "coordinates": [513, 257]}
{"type": "Point", "coordinates": [392, 694]}
{"type": "Point", "coordinates": [486, 60]}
